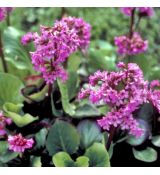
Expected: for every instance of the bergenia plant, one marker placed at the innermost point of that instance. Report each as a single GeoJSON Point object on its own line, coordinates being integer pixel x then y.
{"type": "Point", "coordinates": [69, 97]}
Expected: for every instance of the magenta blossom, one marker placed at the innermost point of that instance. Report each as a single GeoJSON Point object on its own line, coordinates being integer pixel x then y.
{"type": "Point", "coordinates": [127, 10]}
{"type": "Point", "coordinates": [82, 29]}
{"type": "Point", "coordinates": [154, 94]}
{"type": "Point", "coordinates": [3, 122]}
{"type": "Point", "coordinates": [131, 46]}
{"type": "Point", "coordinates": [27, 38]}
{"type": "Point", "coordinates": [55, 44]}
{"type": "Point", "coordinates": [4, 11]}
{"type": "Point", "coordinates": [18, 143]}
{"type": "Point", "coordinates": [124, 92]}
{"type": "Point", "coordinates": [143, 11]}
{"type": "Point", "coordinates": [146, 11]}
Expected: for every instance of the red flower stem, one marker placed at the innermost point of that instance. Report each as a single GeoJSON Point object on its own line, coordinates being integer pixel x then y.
{"type": "Point", "coordinates": [111, 135]}
{"type": "Point", "coordinates": [50, 89]}
{"type": "Point", "coordinates": [131, 28]}
{"type": "Point", "coordinates": [4, 64]}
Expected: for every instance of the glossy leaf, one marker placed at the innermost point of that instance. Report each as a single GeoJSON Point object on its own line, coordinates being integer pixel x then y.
{"type": "Point", "coordinates": [63, 159]}
{"type": "Point", "coordinates": [156, 140]}
{"type": "Point", "coordinates": [10, 89]}
{"type": "Point", "coordinates": [8, 156]}
{"type": "Point", "coordinates": [14, 50]}
{"type": "Point", "coordinates": [62, 137]}
{"type": "Point", "coordinates": [86, 110]}
{"type": "Point", "coordinates": [15, 113]}
{"type": "Point", "coordinates": [40, 138]}
{"type": "Point", "coordinates": [147, 155]}
{"type": "Point", "coordinates": [67, 106]}
{"type": "Point", "coordinates": [36, 161]}
{"type": "Point", "coordinates": [98, 155]}
{"type": "Point", "coordinates": [89, 133]}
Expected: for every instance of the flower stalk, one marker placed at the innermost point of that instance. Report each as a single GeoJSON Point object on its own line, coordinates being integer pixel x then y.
{"type": "Point", "coordinates": [4, 64]}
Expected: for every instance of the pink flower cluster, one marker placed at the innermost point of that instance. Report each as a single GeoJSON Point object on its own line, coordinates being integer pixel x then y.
{"type": "Point", "coordinates": [4, 11]}
{"type": "Point", "coordinates": [81, 28]}
{"type": "Point", "coordinates": [143, 11]}
{"type": "Point", "coordinates": [131, 46]}
{"type": "Point", "coordinates": [3, 122]}
{"type": "Point", "coordinates": [55, 44]}
{"type": "Point", "coordinates": [18, 143]}
{"type": "Point", "coordinates": [124, 92]}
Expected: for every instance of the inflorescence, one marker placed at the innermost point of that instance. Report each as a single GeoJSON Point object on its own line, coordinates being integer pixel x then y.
{"type": "Point", "coordinates": [4, 11]}
{"type": "Point", "coordinates": [124, 92]}
{"type": "Point", "coordinates": [55, 44]}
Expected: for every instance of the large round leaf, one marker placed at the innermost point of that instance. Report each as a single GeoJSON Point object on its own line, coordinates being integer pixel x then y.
{"type": "Point", "coordinates": [98, 155]}
{"type": "Point", "coordinates": [62, 137]}
{"type": "Point", "coordinates": [147, 155]}
{"type": "Point", "coordinates": [89, 133]}
{"type": "Point", "coordinates": [10, 89]}
{"type": "Point", "coordinates": [63, 159]}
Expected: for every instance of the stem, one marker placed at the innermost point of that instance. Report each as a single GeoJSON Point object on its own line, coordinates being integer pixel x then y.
{"type": "Point", "coordinates": [131, 24]}
{"type": "Point", "coordinates": [50, 90]}
{"type": "Point", "coordinates": [63, 12]}
{"type": "Point", "coordinates": [8, 19]}
{"type": "Point", "coordinates": [111, 135]}
{"type": "Point", "coordinates": [4, 64]}
{"type": "Point", "coordinates": [137, 24]}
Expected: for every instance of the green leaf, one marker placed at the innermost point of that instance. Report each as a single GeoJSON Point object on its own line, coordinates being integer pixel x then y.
{"type": "Point", "coordinates": [98, 155]}
{"type": "Point", "coordinates": [73, 63]}
{"type": "Point", "coordinates": [40, 138]}
{"type": "Point", "coordinates": [3, 147]}
{"type": "Point", "coordinates": [63, 159]}
{"type": "Point", "coordinates": [14, 111]}
{"type": "Point", "coordinates": [10, 89]}
{"type": "Point", "coordinates": [82, 161]}
{"type": "Point", "coordinates": [89, 133]}
{"type": "Point", "coordinates": [147, 155]}
{"type": "Point", "coordinates": [14, 51]}
{"type": "Point", "coordinates": [102, 55]}
{"type": "Point", "coordinates": [36, 161]}
{"type": "Point", "coordinates": [68, 108]}
{"type": "Point", "coordinates": [156, 140]}
{"type": "Point", "coordinates": [62, 137]}
{"type": "Point", "coordinates": [72, 68]}
{"type": "Point", "coordinates": [8, 156]}
{"type": "Point", "coordinates": [55, 112]}
{"type": "Point", "coordinates": [86, 110]}
{"type": "Point", "coordinates": [39, 96]}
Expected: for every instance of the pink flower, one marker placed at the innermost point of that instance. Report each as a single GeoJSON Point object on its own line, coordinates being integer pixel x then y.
{"type": "Point", "coordinates": [143, 11]}
{"type": "Point", "coordinates": [123, 91]}
{"type": "Point", "coordinates": [131, 46]}
{"type": "Point", "coordinates": [154, 94]}
{"type": "Point", "coordinates": [127, 10]}
{"type": "Point", "coordinates": [18, 143]}
{"type": "Point", "coordinates": [55, 44]}
{"type": "Point", "coordinates": [82, 29]}
{"type": "Point", "coordinates": [146, 11]}
{"type": "Point", "coordinates": [3, 122]}
{"type": "Point", "coordinates": [28, 37]}
{"type": "Point", "coordinates": [2, 14]}
{"type": "Point", "coordinates": [4, 11]}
